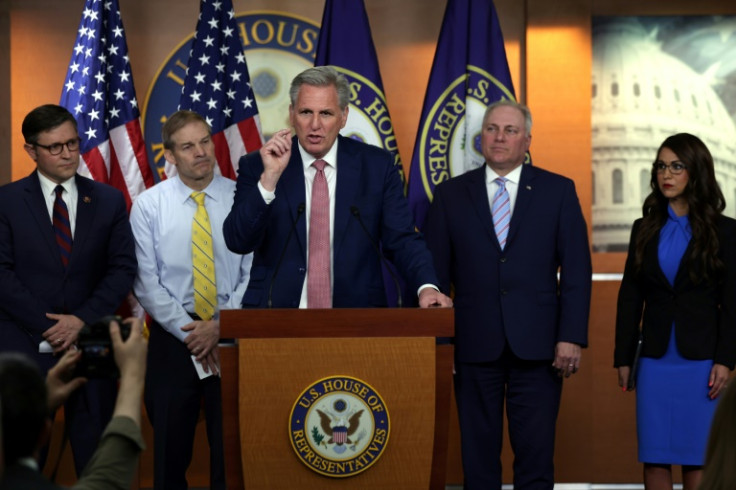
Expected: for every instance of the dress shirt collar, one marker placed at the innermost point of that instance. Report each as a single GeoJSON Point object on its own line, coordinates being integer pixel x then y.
{"type": "Point", "coordinates": [48, 186]}
{"type": "Point", "coordinates": [184, 192]}
{"type": "Point", "coordinates": [330, 157]}
{"type": "Point", "coordinates": [514, 176]}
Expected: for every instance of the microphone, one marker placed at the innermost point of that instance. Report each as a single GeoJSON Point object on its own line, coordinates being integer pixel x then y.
{"type": "Point", "coordinates": [299, 212]}
{"type": "Point", "coordinates": [356, 212]}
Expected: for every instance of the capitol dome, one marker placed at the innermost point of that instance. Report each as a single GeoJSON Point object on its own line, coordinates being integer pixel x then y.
{"type": "Point", "coordinates": [641, 95]}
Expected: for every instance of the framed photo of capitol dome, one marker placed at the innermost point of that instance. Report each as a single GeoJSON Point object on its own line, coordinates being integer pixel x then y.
{"type": "Point", "coordinates": [653, 77]}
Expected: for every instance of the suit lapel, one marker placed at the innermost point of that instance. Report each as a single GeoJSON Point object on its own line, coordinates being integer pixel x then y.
{"type": "Point", "coordinates": [292, 185]}
{"type": "Point", "coordinates": [524, 196]}
{"type": "Point", "coordinates": [86, 211]}
{"type": "Point", "coordinates": [348, 181]}
{"type": "Point", "coordinates": [683, 275]}
{"type": "Point", "coordinates": [478, 192]}
{"type": "Point", "coordinates": [651, 256]}
{"type": "Point", "coordinates": [34, 199]}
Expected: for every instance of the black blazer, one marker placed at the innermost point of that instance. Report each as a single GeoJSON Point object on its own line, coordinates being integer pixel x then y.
{"type": "Point", "coordinates": [704, 313]}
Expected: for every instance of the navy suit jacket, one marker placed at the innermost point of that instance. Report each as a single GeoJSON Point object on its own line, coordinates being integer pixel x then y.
{"type": "Point", "coordinates": [368, 182]}
{"type": "Point", "coordinates": [33, 281]}
{"type": "Point", "coordinates": [512, 295]}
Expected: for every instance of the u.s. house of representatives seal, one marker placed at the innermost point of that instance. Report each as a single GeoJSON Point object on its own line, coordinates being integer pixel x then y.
{"type": "Point", "coordinates": [339, 426]}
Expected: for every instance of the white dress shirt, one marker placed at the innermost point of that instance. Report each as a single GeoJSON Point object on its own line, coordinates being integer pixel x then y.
{"type": "Point", "coordinates": [512, 185]}
{"type": "Point", "coordinates": [69, 196]}
{"type": "Point", "coordinates": [161, 219]}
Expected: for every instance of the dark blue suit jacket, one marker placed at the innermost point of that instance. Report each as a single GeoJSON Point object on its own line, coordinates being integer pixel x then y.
{"type": "Point", "coordinates": [33, 281]}
{"type": "Point", "coordinates": [366, 180]}
{"type": "Point", "coordinates": [512, 295]}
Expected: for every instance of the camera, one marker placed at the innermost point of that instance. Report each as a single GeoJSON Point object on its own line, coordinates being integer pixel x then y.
{"type": "Point", "coordinates": [94, 342]}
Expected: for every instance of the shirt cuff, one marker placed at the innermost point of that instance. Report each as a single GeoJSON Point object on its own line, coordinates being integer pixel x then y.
{"type": "Point", "coordinates": [424, 286]}
{"type": "Point", "coordinates": [268, 196]}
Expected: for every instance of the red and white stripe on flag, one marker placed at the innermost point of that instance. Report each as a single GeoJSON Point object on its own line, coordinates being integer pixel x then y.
{"type": "Point", "coordinates": [99, 92]}
{"type": "Point", "coordinates": [120, 161]}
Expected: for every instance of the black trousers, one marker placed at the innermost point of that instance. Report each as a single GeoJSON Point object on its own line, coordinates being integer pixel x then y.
{"type": "Point", "coordinates": [532, 391]}
{"type": "Point", "coordinates": [173, 396]}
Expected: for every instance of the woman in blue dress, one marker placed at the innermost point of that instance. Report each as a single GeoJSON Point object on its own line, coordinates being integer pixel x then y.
{"type": "Point", "coordinates": [678, 295]}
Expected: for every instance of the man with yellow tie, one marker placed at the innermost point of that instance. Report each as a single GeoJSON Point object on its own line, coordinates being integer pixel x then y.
{"type": "Point", "coordinates": [185, 276]}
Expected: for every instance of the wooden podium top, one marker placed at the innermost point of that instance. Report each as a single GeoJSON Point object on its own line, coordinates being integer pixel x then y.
{"type": "Point", "coordinates": [337, 322]}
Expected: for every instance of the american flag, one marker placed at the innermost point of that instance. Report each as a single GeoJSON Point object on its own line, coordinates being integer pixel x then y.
{"type": "Point", "coordinates": [99, 92]}
{"type": "Point", "coordinates": [217, 86]}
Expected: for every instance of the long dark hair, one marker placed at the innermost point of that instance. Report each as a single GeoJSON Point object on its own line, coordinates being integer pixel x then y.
{"type": "Point", "coordinates": [705, 204]}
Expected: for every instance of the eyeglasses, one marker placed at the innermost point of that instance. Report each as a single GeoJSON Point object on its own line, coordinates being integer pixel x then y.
{"type": "Point", "coordinates": [57, 148]}
{"type": "Point", "coordinates": [676, 168]}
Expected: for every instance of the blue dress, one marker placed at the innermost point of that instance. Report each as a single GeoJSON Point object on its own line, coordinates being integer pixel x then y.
{"type": "Point", "coordinates": [673, 410]}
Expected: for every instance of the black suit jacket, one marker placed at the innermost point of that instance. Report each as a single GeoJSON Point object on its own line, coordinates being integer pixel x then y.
{"type": "Point", "coordinates": [704, 313]}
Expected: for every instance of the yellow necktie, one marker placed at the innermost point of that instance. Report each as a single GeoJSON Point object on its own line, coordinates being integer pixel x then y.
{"type": "Point", "coordinates": [203, 262]}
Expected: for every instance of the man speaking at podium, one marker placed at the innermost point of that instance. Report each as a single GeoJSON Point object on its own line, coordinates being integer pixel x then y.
{"type": "Point", "coordinates": [314, 208]}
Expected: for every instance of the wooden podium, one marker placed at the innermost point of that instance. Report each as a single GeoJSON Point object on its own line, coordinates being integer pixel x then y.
{"type": "Point", "coordinates": [279, 353]}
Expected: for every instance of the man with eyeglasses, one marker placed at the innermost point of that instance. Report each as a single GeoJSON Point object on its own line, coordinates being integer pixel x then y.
{"type": "Point", "coordinates": [67, 258]}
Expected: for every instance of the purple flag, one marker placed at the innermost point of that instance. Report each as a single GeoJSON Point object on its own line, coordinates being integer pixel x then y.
{"type": "Point", "coordinates": [345, 42]}
{"type": "Point", "coordinates": [469, 72]}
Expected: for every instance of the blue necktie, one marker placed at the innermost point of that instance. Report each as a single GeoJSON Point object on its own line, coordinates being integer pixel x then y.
{"type": "Point", "coordinates": [501, 211]}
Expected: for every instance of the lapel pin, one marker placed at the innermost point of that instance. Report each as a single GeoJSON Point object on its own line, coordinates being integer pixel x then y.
{"type": "Point", "coordinates": [87, 199]}
{"type": "Point", "coordinates": [528, 187]}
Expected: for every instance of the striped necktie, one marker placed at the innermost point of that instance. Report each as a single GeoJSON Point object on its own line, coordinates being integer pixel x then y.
{"type": "Point", "coordinates": [203, 261]}
{"type": "Point", "coordinates": [62, 226]}
{"type": "Point", "coordinates": [501, 211]}
{"type": "Point", "coordinates": [319, 292]}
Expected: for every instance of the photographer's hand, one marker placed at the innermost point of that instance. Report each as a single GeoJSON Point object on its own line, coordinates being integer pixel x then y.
{"type": "Point", "coordinates": [203, 337]}
{"type": "Point", "coordinates": [58, 382]}
{"type": "Point", "coordinates": [130, 357]}
{"type": "Point", "coordinates": [64, 332]}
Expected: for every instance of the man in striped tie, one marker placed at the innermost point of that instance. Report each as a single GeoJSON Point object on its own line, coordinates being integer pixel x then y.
{"type": "Point", "coordinates": [66, 258]}
{"type": "Point", "coordinates": [185, 276]}
{"type": "Point", "coordinates": [499, 235]}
